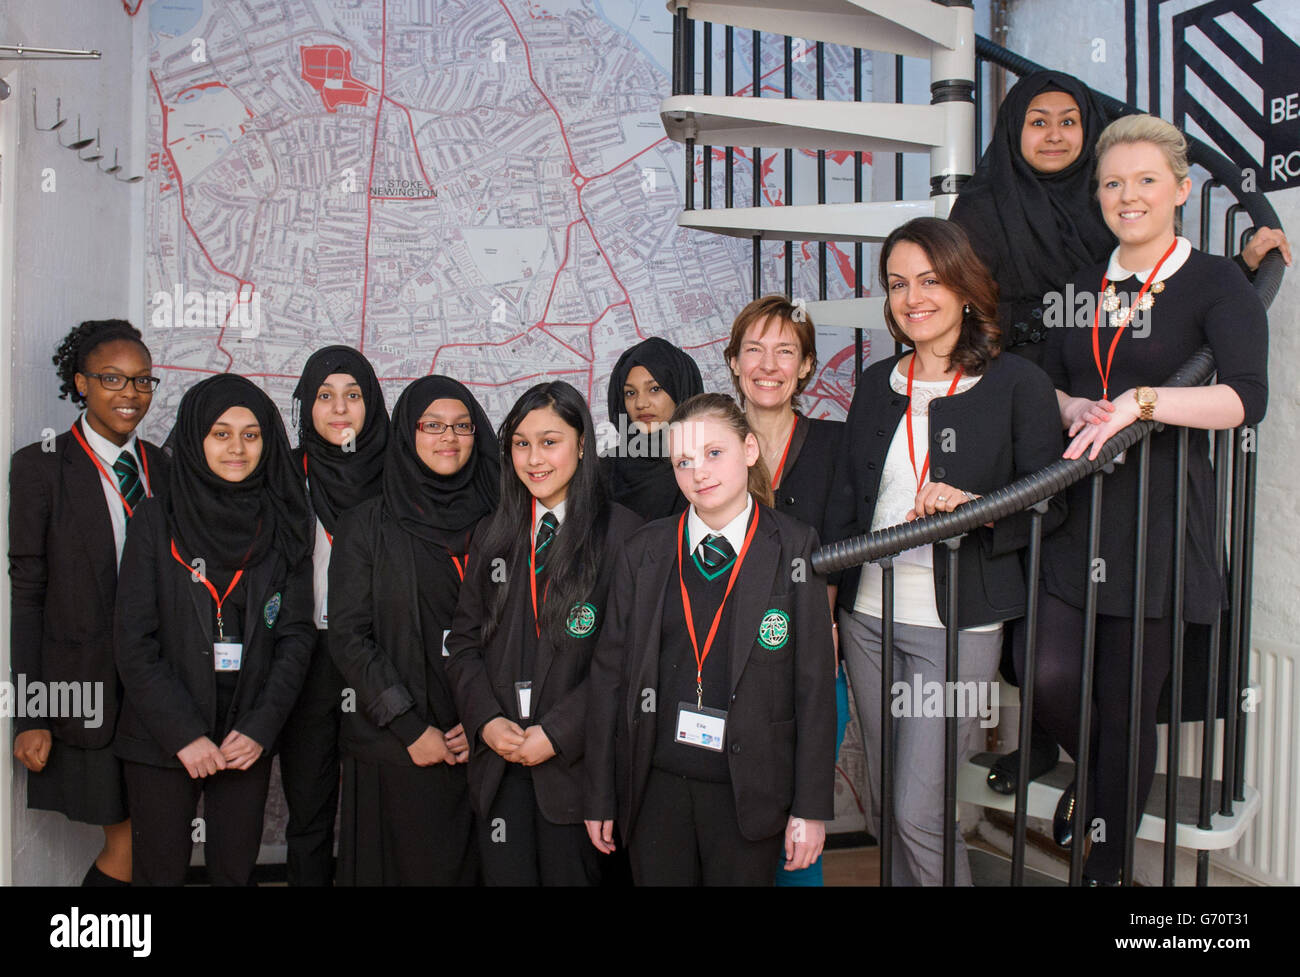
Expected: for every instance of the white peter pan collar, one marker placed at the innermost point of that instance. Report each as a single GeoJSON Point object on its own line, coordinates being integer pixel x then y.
{"type": "Point", "coordinates": [1118, 273]}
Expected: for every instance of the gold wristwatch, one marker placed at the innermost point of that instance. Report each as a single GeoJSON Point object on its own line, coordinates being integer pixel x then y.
{"type": "Point", "coordinates": [1146, 399]}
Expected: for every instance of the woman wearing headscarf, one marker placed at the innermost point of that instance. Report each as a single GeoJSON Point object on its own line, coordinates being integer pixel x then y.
{"type": "Point", "coordinates": [647, 383]}
{"type": "Point", "coordinates": [395, 575]}
{"type": "Point", "coordinates": [212, 633]}
{"type": "Point", "coordinates": [342, 434]}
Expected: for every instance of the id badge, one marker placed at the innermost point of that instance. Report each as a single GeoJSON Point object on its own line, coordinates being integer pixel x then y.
{"type": "Point", "coordinates": [325, 610]}
{"type": "Point", "coordinates": [702, 727]}
{"type": "Point", "coordinates": [445, 652]}
{"type": "Point", "coordinates": [524, 693]}
{"type": "Point", "coordinates": [227, 656]}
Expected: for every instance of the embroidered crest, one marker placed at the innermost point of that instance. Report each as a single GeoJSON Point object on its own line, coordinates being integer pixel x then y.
{"type": "Point", "coordinates": [272, 610]}
{"type": "Point", "coordinates": [774, 630]}
{"type": "Point", "coordinates": [582, 620]}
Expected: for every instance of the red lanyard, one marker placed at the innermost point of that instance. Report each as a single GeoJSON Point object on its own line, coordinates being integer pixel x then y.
{"type": "Point", "coordinates": [1096, 321]}
{"type": "Point", "coordinates": [532, 573]}
{"type": "Point", "coordinates": [460, 569]}
{"type": "Point", "coordinates": [94, 459]}
{"type": "Point", "coordinates": [328, 535]}
{"type": "Point", "coordinates": [221, 634]}
{"type": "Point", "coordinates": [776, 479]}
{"type": "Point", "coordinates": [911, 451]}
{"type": "Point", "coordinates": [701, 657]}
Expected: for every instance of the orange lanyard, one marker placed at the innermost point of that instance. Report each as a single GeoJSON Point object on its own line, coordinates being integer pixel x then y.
{"type": "Point", "coordinates": [911, 450]}
{"type": "Point", "coordinates": [701, 657]}
{"type": "Point", "coordinates": [1096, 321]}
{"type": "Point", "coordinates": [460, 569]}
{"type": "Point", "coordinates": [532, 572]}
{"type": "Point", "coordinates": [94, 459]}
{"type": "Point", "coordinates": [221, 634]}
{"type": "Point", "coordinates": [776, 479]}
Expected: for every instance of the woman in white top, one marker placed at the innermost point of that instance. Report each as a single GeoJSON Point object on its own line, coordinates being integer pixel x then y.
{"type": "Point", "coordinates": [930, 430]}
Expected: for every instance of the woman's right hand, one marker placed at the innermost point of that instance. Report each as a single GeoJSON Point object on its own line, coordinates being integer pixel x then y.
{"type": "Point", "coordinates": [1076, 412]}
{"type": "Point", "coordinates": [503, 737]}
{"type": "Point", "coordinates": [601, 834]}
{"type": "Point", "coordinates": [202, 758]}
{"type": "Point", "coordinates": [32, 749]}
{"type": "Point", "coordinates": [429, 749]}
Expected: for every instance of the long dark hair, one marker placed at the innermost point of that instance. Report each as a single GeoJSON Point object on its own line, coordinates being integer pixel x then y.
{"type": "Point", "coordinates": [572, 567]}
{"type": "Point", "coordinates": [953, 261]}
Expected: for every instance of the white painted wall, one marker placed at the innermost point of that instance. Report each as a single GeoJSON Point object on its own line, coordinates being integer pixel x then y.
{"type": "Point", "coordinates": [76, 256]}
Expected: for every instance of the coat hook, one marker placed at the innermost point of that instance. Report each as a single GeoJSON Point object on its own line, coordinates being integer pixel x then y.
{"type": "Point", "coordinates": [95, 155]}
{"type": "Point", "coordinates": [58, 111]}
{"type": "Point", "coordinates": [116, 167]}
{"type": "Point", "coordinates": [77, 144]}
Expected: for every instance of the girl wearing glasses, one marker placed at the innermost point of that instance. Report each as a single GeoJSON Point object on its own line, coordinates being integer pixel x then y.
{"type": "Point", "coordinates": [342, 434]}
{"type": "Point", "coordinates": [69, 505]}
{"type": "Point", "coordinates": [214, 634]}
{"type": "Point", "coordinates": [395, 575]}
{"type": "Point", "coordinates": [527, 622]}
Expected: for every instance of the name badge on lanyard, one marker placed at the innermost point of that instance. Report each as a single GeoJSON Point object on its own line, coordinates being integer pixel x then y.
{"type": "Point", "coordinates": [227, 655]}
{"type": "Point", "coordinates": [524, 693]}
{"type": "Point", "coordinates": [701, 726]}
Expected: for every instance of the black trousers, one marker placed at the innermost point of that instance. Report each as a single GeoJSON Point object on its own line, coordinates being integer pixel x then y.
{"type": "Point", "coordinates": [1056, 707]}
{"type": "Point", "coordinates": [687, 833]}
{"type": "Point", "coordinates": [163, 802]}
{"type": "Point", "coordinates": [309, 771]}
{"type": "Point", "coordinates": [518, 846]}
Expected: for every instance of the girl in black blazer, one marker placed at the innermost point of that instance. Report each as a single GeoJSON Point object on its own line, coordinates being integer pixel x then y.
{"type": "Point", "coordinates": [933, 429]}
{"type": "Point", "coordinates": [647, 383]}
{"type": "Point", "coordinates": [214, 635]}
{"type": "Point", "coordinates": [529, 614]}
{"type": "Point", "coordinates": [395, 576]}
{"type": "Point", "coordinates": [342, 434]}
{"type": "Point", "coordinates": [711, 734]}
{"type": "Point", "coordinates": [69, 503]}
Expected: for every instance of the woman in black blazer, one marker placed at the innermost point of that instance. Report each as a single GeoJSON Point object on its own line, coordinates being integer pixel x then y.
{"type": "Point", "coordinates": [712, 743]}
{"type": "Point", "coordinates": [69, 503]}
{"type": "Point", "coordinates": [933, 429]}
{"type": "Point", "coordinates": [342, 434]}
{"type": "Point", "coordinates": [529, 614]}
{"type": "Point", "coordinates": [395, 576]}
{"type": "Point", "coordinates": [214, 634]}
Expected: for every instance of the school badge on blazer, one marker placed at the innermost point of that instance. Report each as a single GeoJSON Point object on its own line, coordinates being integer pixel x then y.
{"type": "Point", "coordinates": [582, 620]}
{"type": "Point", "coordinates": [272, 610]}
{"type": "Point", "coordinates": [774, 629]}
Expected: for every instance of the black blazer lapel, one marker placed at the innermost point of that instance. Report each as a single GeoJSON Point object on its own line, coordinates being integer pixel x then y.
{"type": "Point", "coordinates": [89, 515]}
{"type": "Point", "coordinates": [753, 593]}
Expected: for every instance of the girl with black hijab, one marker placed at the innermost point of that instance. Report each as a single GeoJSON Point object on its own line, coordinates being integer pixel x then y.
{"type": "Point", "coordinates": [214, 634]}
{"type": "Point", "coordinates": [342, 434]}
{"type": "Point", "coordinates": [648, 382]}
{"type": "Point", "coordinates": [398, 562]}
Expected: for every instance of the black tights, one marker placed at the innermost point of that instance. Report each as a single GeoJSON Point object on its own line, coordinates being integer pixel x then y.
{"type": "Point", "coordinates": [1056, 709]}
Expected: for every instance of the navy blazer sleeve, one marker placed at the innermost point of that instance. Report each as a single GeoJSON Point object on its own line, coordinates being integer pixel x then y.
{"type": "Point", "coordinates": [295, 637]}
{"type": "Point", "coordinates": [30, 495]}
{"type": "Point", "coordinates": [466, 670]}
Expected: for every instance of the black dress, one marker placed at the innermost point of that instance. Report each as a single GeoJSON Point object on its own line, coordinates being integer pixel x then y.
{"type": "Point", "coordinates": [806, 480]}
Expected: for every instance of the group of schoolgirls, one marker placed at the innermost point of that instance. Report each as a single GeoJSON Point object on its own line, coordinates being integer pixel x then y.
{"type": "Point", "coordinates": [463, 642]}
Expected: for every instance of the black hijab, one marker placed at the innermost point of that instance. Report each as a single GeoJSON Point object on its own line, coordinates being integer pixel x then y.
{"type": "Point", "coordinates": [231, 524]}
{"type": "Point", "coordinates": [1033, 229]}
{"type": "Point", "coordinates": [646, 485]}
{"type": "Point", "coordinates": [439, 509]}
{"type": "Point", "coordinates": [340, 479]}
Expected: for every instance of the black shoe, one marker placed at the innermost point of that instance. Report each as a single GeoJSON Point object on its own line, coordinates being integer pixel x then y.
{"type": "Point", "coordinates": [1063, 819]}
{"type": "Point", "coordinates": [1005, 772]}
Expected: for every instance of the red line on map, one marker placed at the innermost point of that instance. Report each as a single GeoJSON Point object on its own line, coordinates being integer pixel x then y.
{"type": "Point", "coordinates": [374, 151]}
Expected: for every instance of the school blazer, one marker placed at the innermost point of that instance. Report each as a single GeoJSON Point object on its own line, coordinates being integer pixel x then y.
{"type": "Point", "coordinates": [780, 738]}
{"type": "Point", "coordinates": [163, 643]}
{"type": "Point", "coordinates": [484, 688]}
{"type": "Point", "coordinates": [63, 571]}
{"type": "Point", "coordinates": [1006, 426]}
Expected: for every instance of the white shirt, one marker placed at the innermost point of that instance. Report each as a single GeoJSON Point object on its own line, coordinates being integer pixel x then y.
{"type": "Point", "coordinates": [108, 454]}
{"type": "Point", "coordinates": [542, 510]}
{"type": "Point", "coordinates": [320, 577]}
{"type": "Point", "coordinates": [1117, 272]}
{"type": "Point", "coordinates": [734, 532]}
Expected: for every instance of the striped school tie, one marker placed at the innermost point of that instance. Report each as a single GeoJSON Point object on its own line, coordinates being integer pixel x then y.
{"type": "Point", "coordinates": [546, 530]}
{"type": "Point", "coordinates": [128, 478]}
{"type": "Point", "coordinates": [715, 552]}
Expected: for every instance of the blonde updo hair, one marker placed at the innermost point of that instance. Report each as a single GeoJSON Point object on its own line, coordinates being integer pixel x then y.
{"type": "Point", "coordinates": [1146, 128]}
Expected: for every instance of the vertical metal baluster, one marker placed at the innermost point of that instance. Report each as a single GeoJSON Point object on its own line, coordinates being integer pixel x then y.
{"type": "Point", "coordinates": [1085, 684]}
{"type": "Point", "coordinates": [679, 34]}
{"type": "Point", "coordinates": [821, 172]}
{"type": "Point", "coordinates": [729, 164]}
{"type": "Point", "coordinates": [1207, 192]}
{"type": "Point", "coordinates": [688, 88]}
{"type": "Point", "coordinates": [758, 167]}
{"type": "Point", "coordinates": [886, 824]}
{"type": "Point", "coordinates": [950, 754]}
{"type": "Point", "coordinates": [979, 107]}
{"type": "Point", "coordinates": [1247, 572]}
{"type": "Point", "coordinates": [708, 90]}
{"type": "Point", "coordinates": [1230, 227]}
{"type": "Point", "coordinates": [789, 169]}
{"type": "Point", "coordinates": [857, 198]}
{"type": "Point", "coordinates": [1236, 595]}
{"type": "Point", "coordinates": [1176, 664]}
{"type": "Point", "coordinates": [1131, 800]}
{"type": "Point", "coordinates": [898, 157]}
{"type": "Point", "coordinates": [1204, 820]}
{"type": "Point", "coordinates": [1034, 561]}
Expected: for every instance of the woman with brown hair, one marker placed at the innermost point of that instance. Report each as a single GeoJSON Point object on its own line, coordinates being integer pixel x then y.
{"type": "Point", "coordinates": [932, 429]}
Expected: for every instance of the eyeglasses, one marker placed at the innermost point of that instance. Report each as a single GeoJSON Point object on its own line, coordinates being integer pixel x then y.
{"type": "Point", "coordinates": [462, 429]}
{"type": "Point", "coordinates": [115, 381]}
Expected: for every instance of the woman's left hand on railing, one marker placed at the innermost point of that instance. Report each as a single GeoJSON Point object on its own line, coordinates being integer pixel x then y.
{"type": "Point", "coordinates": [938, 497]}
